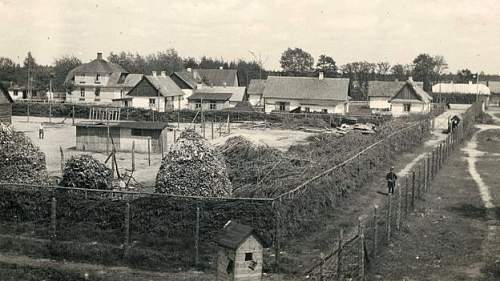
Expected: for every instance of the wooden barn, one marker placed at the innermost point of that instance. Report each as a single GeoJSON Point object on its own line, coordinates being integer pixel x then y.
{"type": "Point", "coordinates": [240, 256]}
{"type": "Point", "coordinates": [5, 106]}
{"type": "Point", "coordinates": [93, 136]}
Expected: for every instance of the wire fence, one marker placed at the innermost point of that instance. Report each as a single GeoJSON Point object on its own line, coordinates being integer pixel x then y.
{"type": "Point", "coordinates": [352, 255]}
{"type": "Point", "coordinates": [166, 232]}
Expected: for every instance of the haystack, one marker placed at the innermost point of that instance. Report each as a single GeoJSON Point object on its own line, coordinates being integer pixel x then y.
{"type": "Point", "coordinates": [193, 166]}
{"type": "Point", "coordinates": [84, 171]}
{"type": "Point", "coordinates": [20, 160]}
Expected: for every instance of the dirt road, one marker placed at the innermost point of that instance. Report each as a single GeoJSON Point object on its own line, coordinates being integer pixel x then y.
{"type": "Point", "coordinates": [455, 234]}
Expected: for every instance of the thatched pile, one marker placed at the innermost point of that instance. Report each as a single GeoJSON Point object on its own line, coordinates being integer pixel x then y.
{"type": "Point", "coordinates": [20, 160]}
{"type": "Point", "coordinates": [84, 171]}
{"type": "Point", "coordinates": [192, 166]}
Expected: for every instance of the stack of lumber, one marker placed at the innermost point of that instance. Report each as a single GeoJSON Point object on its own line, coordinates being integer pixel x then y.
{"type": "Point", "coordinates": [84, 171]}
{"type": "Point", "coordinates": [192, 166]}
{"type": "Point", "coordinates": [20, 160]}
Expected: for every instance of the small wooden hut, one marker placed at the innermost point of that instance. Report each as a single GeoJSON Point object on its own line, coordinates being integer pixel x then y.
{"type": "Point", "coordinates": [5, 106]}
{"type": "Point", "coordinates": [240, 256]}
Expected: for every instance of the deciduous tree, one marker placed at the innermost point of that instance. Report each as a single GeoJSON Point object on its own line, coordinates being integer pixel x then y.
{"type": "Point", "coordinates": [296, 60]}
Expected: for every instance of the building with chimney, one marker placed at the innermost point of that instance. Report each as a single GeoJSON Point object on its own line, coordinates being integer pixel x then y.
{"type": "Point", "coordinates": [99, 82]}
{"type": "Point", "coordinates": [306, 94]}
{"type": "Point", "coordinates": [156, 92]}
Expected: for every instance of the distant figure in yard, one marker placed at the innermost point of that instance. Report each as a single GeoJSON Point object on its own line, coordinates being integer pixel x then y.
{"type": "Point", "coordinates": [391, 180]}
{"type": "Point", "coordinates": [40, 131]}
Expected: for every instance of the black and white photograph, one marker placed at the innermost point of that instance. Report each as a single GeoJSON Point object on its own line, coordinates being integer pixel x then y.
{"type": "Point", "coordinates": [249, 140]}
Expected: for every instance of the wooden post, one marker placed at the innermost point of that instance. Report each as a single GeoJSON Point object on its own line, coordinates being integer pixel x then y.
{"type": "Point", "coordinates": [428, 180]}
{"type": "Point", "coordinates": [197, 237]}
{"type": "Point", "coordinates": [321, 266]}
{"type": "Point", "coordinates": [277, 241]}
{"type": "Point", "coordinates": [28, 112]}
{"type": "Point", "coordinates": [127, 228]}
{"type": "Point", "coordinates": [228, 125]}
{"type": "Point", "coordinates": [112, 166]}
{"type": "Point", "coordinates": [413, 190]}
{"type": "Point", "coordinates": [419, 194]}
{"type": "Point", "coordinates": [361, 250]}
{"type": "Point", "coordinates": [432, 165]}
{"type": "Point", "coordinates": [339, 254]}
{"type": "Point", "coordinates": [107, 140]}
{"type": "Point", "coordinates": [375, 230]}
{"type": "Point", "coordinates": [161, 145]}
{"type": "Point", "coordinates": [53, 218]}
{"type": "Point", "coordinates": [175, 135]}
{"type": "Point", "coordinates": [388, 225]}
{"type": "Point", "coordinates": [398, 214]}
{"type": "Point", "coordinates": [50, 112]}
{"type": "Point", "coordinates": [133, 156]}
{"type": "Point", "coordinates": [212, 129]}
{"type": "Point", "coordinates": [406, 196]}
{"type": "Point", "coordinates": [149, 151]}
{"type": "Point", "coordinates": [73, 114]}
{"type": "Point", "coordinates": [62, 159]}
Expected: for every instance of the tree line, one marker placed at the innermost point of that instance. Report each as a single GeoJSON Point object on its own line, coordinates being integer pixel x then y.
{"type": "Point", "coordinates": [293, 61]}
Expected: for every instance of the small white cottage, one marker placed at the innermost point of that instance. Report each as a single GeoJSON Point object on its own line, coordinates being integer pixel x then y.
{"type": "Point", "coordinates": [240, 256]}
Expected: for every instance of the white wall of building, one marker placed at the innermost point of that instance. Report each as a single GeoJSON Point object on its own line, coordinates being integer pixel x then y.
{"type": "Point", "coordinates": [397, 109]}
{"type": "Point", "coordinates": [379, 103]}
{"type": "Point", "coordinates": [106, 95]}
{"type": "Point", "coordinates": [272, 105]}
{"type": "Point", "coordinates": [255, 100]}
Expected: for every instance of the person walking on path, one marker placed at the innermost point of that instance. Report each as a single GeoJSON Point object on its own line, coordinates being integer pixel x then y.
{"type": "Point", "coordinates": [391, 178]}
{"type": "Point", "coordinates": [40, 131]}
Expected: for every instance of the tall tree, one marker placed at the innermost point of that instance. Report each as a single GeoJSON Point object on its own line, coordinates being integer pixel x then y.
{"type": "Point", "coordinates": [464, 76]}
{"type": "Point", "coordinates": [383, 68]}
{"type": "Point", "coordinates": [326, 64]}
{"type": "Point", "coordinates": [62, 66]}
{"type": "Point", "coordinates": [359, 73]}
{"type": "Point", "coordinates": [428, 69]}
{"type": "Point", "coordinates": [296, 60]}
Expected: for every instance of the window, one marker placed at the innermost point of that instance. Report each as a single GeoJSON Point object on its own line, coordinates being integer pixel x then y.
{"type": "Point", "coordinates": [324, 110]}
{"type": "Point", "coordinates": [97, 92]}
{"type": "Point", "coordinates": [15, 93]}
{"type": "Point", "coordinates": [213, 105]}
{"type": "Point", "coordinates": [97, 77]}
{"type": "Point", "coordinates": [197, 105]}
{"type": "Point", "coordinates": [248, 256]}
{"type": "Point", "coordinates": [307, 109]}
{"type": "Point", "coordinates": [406, 107]}
{"type": "Point", "coordinates": [152, 102]}
{"type": "Point", "coordinates": [82, 93]}
{"type": "Point", "coordinates": [281, 106]}
{"type": "Point", "coordinates": [126, 103]}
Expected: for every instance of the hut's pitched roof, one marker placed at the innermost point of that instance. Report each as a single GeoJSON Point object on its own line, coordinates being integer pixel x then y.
{"type": "Point", "coordinates": [187, 78]}
{"type": "Point", "coordinates": [421, 94]}
{"type": "Point", "coordinates": [387, 88]}
{"type": "Point", "coordinates": [217, 77]}
{"type": "Point", "coordinates": [165, 85]}
{"type": "Point", "coordinates": [307, 88]}
{"type": "Point", "coordinates": [256, 87]}
{"type": "Point", "coordinates": [461, 88]}
{"type": "Point", "coordinates": [233, 234]}
{"type": "Point", "coordinates": [4, 95]}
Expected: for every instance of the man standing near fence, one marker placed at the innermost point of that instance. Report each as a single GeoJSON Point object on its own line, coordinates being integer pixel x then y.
{"type": "Point", "coordinates": [391, 178]}
{"type": "Point", "coordinates": [40, 131]}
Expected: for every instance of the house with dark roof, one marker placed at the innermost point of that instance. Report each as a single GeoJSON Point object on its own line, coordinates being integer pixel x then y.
{"type": "Point", "coordinates": [381, 92]}
{"type": "Point", "coordinates": [215, 98]}
{"type": "Point", "coordinates": [460, 93]}
{"type": "Point", "coordinates": [240, 257]}
{"type": "Point", "coordinates": [155, 92]}
{"type": "Point", "coordinates": [21, 92]}
{"type": "Point", "coordinates": [255, 91]}
{"type": "Point", "coordinates": [99, 81]}
{"type": "Point", "coordinates": [5, 105]}
{"type": "Point", "coordinates": [410, 99]}
{"type": "Point", "coordinates": [306, 94]}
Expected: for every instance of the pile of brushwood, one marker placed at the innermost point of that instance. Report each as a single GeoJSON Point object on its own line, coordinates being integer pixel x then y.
{"type": "Point", "coordinates": [84, 171]}
{"type": "Point", "coordinates": [21, 161]}
{"type": "Point", "coordinates": [260, 171]}
{"type": "Point", "coordinates": [192, 166]}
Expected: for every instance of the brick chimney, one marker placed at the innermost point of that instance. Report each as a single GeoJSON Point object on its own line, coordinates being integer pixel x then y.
{"type": "Point", "coordinates": [321, 75]}
{"type": "Point", "coordinates": [99, 56]}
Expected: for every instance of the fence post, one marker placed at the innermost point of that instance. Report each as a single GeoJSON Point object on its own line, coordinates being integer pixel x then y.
{"type": "Point", "coordinates": [321, 266]}
{"type": "Point", "coordinates": [149, 151]}
{"type": "Point", "coordinates": [197, 237]}
{"type": "Point", "coordinates": [389, 209]}
{"type": "Point", "coordinates": [420, 181]}
{"type": "Point", "coordinates": [375, 230]}
{"type": "Point", "coordinates": [212, 129]}
{"type": "Point", "coordinates": [361, 249]}
{"type": "Point", "coordinates": [127, 228]}
{"type": "Point", "coordinates": [73, 115]}
{"type": "Point", "coordinates": [398, 214]}
{"type": "Point", "coordinates": [133, 156]}
{"type": "Point", "coordinates": [339, 255]}
{"type": "Point", "coordinates": [53, 218]}
{"type": "Point", "coordinates": [406, 196]}
{"type": "Point", "coordinates": [413, 190]}
{"type": "Point", "coordinates": [175, 135]}
{"type": "Point", "coordinates": [433, 164]}
{"type": "Point", "coordinates": [50, 112]}
{"type": "Point", "coordinates": [62, 159]}
{"type": "Point", "coordinates": [277, 235]}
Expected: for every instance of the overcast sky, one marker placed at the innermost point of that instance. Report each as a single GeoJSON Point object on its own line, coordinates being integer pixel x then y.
{"type": "Point", "coordinates": [465, 32]}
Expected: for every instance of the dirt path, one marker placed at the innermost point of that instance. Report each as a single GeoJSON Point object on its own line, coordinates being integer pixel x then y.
{"type": "Point", "coordinates": [455, 233]}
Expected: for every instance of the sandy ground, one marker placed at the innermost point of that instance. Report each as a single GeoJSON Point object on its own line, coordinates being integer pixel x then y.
{"type": "Point", "coordinates": [455, 232]}
{"type": "Point", "coordinates": [64, 135]}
